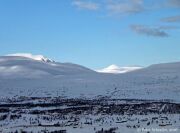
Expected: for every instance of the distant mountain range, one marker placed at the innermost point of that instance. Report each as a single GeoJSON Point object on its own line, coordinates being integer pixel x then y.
{"type": "Point", "coordinates": [37, 76]}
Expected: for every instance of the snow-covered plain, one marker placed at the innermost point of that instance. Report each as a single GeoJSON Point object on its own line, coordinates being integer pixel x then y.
{"type": "Point", "coordinates": [89, 116]}
{"type": "Point", "coordinates": [33, 90]}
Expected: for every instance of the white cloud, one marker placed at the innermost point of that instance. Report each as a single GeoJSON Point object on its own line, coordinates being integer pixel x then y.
{"type": "Point", "coordinates": [88, 5]}
{"type": "Point", "coordinates": [125, 6]}
{"type": "Point", "coordinates": [173, 3]}
{"type": "Point", "coordinates": [150, 31]}
{"type": "Point", "coordinates": [171, 19]}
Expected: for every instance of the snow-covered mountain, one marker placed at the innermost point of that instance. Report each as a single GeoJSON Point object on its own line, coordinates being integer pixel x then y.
{"type": "Point", "coordinates": [36, 66]}
{"type": "Point", "coordinates": [34, 57]}
{"type": "Point", "coordinates": [116, 69]}
{"type": "Point", "coordinates": [24, 76]}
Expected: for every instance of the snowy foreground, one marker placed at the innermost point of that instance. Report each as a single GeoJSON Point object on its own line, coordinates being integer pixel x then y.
{"type": "Point", "coordinates": [57, 115]}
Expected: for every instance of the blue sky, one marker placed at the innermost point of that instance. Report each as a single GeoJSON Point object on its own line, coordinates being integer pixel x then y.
{"type": "Point", "coordinates": [93, 33]}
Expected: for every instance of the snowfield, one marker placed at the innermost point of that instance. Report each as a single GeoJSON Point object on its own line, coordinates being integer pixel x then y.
{"type": "Point", "coordinates": [89, 116]}
{"type": "Point", "coordinates": [38, 94]}
{"type": "Point", "coordinates": [22, 76]}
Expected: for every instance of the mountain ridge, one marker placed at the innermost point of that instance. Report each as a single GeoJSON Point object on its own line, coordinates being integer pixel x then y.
{"type": "Point", "coordinates": [20, 76]}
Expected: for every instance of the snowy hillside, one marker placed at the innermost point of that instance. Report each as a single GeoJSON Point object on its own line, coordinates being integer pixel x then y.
{"type": "Point", "coordinates": [24, 76]}
{"type": "Point", "coordinates": [41, 95]}
{"type": "Point", "coordinates": [37, 66]}
{"type": "Point", "coordinates": [34, 57]}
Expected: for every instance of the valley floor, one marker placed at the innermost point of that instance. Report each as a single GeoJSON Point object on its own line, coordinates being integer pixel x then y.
{"type": "Point", "coordinates": [57, 115]}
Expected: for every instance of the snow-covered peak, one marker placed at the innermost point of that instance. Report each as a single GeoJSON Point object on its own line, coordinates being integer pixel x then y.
{"type": "Point", "coordinates": [113, 67]}
{"type": "Point", "coordinates": [116, 69]}
{"type": "Point", "coordinates": [34, 57]}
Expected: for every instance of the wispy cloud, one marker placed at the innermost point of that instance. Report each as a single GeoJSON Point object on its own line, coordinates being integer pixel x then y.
{"type": "Point", "coordinates": [87, 5]}
{"type": "Point", "coordinates": [125, 6]}
{"type": "Point", "coordinates": [130, 7]}
{"type": "Point", "coordinates": [173, 3]}
{"type": "Point", "coordinates": [168, 27]}
{"type": "Point", "coordinates": [171, 19]}
{"type": "Point", "coordinates": [149, 31]}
